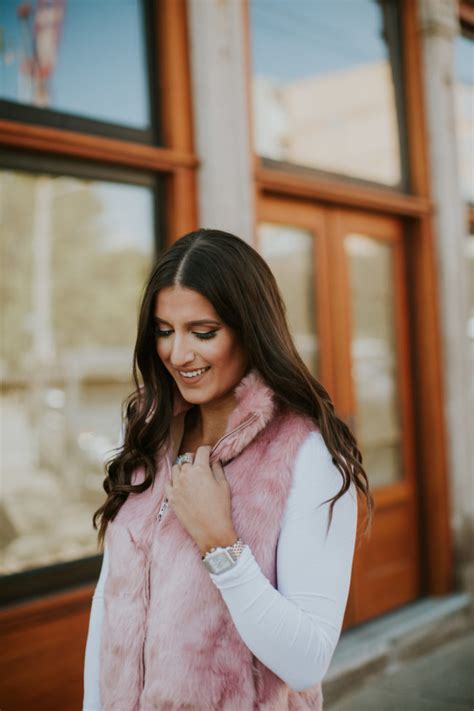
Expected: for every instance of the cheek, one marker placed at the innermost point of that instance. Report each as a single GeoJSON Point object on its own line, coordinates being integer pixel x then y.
{"type": "Point", "coordinates": [227, 353]}
{"type": "Point", "coordinates": [219, 353]}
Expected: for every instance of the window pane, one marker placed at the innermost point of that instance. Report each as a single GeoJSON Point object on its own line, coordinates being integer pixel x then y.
{"type": "Point", "coordinates": [464, 63]}
{"type": "Point", "coordinates": [289, 253]}
{"type": "Point", "coordinates": [323, 85]}
{"type": "Point", "coordinates": [374, 357]}
{"type": "Point", "coordinates": [82, 58]}
{"type": "Point", "coordinates": [74, 255]}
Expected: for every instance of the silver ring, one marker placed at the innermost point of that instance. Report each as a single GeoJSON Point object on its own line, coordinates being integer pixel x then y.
{"type": "Point", "coordinates": [188, 457]}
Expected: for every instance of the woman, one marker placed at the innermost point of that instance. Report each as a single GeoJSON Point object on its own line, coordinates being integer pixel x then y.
{"type": "Point", "coordinates": [230, 519]}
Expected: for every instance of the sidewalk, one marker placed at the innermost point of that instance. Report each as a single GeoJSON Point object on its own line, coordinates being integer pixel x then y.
{"type": "Point", "coordinates": [442, 680]}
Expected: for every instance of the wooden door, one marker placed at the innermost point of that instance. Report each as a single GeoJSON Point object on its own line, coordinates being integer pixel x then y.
{"type": "Point", "coordinates": [343, 277]}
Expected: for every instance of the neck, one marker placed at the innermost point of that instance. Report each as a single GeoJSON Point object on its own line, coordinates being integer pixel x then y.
{"type": "Point", "coordinates": [210, 419]}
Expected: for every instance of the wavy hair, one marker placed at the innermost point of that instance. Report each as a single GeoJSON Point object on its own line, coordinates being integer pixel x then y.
{"type": "Point", "coordinates": [239, 284]}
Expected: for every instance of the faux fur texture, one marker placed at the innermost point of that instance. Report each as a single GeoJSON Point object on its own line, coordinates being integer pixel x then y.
{"type": "Point", "coordinates": [168, 640]}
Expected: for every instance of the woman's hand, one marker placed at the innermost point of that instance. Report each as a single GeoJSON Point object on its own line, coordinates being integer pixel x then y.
{"type": "Point", "coordinates": [199, 494]}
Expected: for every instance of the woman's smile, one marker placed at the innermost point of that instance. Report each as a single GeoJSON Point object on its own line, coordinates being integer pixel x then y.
{"type": "Point", "coordinates": [193, 376]}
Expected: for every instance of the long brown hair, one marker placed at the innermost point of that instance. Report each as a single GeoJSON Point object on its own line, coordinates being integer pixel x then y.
{"type": "Point", "coordinates": [239, 284]}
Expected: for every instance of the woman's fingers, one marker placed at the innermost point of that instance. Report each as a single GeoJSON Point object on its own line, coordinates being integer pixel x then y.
{"type": "Point", "coordinates": [218, 471]}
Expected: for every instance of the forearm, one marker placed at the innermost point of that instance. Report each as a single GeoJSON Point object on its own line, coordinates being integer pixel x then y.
{"type": "Point", "coordinates": [293, 628]}
{"type": "Point", "coordinates": [295, 645]}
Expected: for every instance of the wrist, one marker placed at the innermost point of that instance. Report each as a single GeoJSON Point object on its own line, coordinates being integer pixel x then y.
{"type": "Point", "coordinates": [222, 541]}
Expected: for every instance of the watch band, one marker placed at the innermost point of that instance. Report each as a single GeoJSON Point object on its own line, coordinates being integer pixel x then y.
{"type": "Point", "coordinates": [235, 549]}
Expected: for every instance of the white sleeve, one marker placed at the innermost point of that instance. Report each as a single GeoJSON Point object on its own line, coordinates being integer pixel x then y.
{"type": "Point", "coordinates": [92, 656]}
{"type": "Point", "coordinates": [91, 700]}
{"type": "Point", "coordinates": [293, 630]}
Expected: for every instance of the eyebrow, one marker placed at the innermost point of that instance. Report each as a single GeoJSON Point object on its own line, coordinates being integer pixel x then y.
{"type": "Point", "coordinates": [189, 323]}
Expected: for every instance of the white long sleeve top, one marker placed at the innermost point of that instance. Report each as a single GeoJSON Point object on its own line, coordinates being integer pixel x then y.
{"type": "Point", "coordinates": [292, 629]}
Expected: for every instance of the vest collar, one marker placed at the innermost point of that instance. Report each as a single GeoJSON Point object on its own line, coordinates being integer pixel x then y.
{"type": "Point", "coordinates": [255, 407]}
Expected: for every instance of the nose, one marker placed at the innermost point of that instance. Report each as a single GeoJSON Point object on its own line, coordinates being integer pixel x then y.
{"type": "Point", "coordinates": [181, 353]}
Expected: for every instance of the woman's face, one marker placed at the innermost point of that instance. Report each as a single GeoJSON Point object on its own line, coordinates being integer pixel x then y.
{"type": "Point", "coordinates": [203, 354]}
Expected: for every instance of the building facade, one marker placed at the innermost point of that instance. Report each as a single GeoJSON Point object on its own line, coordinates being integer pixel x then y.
{"type": "Point", "coordinates": [338, 139]}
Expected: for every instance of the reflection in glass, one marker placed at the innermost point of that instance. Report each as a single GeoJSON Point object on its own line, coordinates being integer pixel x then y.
{"type": "Point", "coordinates": [323, 86]}
{"type": "Point", "coordinates": [374, 357]}
{"type": "Point", "coordinates": [289, 253]}
{"type": "Point", "coordinates": [82, 58]}
{"type": "Point", "coordinates": [464, 94]}
{"type": "Point", "coordinates": [74, 254]}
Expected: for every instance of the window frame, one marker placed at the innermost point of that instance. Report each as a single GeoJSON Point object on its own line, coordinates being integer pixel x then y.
{"type": "Point", "coordinates": [397, 60]}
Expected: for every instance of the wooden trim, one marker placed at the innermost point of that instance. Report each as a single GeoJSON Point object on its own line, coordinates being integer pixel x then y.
{"type": "Point", "coordinates": [46, 608]}
{"type": "Point", "coordinates": [341, 317]}
{"type": "Point", "coordinates": [390, 495]}
{"type": "Point", "coordinates": [175, 76]}
{"type": "Point", "coordinates": [247, 38]}
{"type": "Point", "coordinates": [181, 204]}
{"type": "Point", "coordinates": [466, 13]}
{"type": "Point", "coordinates": [470, 216]}
{"type": "Point", "coordinates": [340, 192]}
{"type": "Point", "coordinates": [22, 136]}
{"type": "Point", "coordinates": [427, 368]}
{"type": "Point", "coordinates": [427, 357]}
{"type": "Point", "coordinates": [181, 208]}
{"type": "Point", "coordinates": [42, 655]}
{"type": "Point", "coordinates": [403, 349]}
{"type": "Point", "coordinates": [413, 79]}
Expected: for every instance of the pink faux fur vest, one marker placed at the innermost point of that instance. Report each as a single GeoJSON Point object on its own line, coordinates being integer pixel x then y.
{"type": "Point", "coordinates": [168, 640]}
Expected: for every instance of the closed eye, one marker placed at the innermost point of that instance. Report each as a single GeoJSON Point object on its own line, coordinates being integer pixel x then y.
{"type": "Point", "coordinates": [203, 336]}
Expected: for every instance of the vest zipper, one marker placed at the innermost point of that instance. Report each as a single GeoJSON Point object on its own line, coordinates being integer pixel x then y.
{"type": "Point", "coordinates": [147, 601]}
{"type": "Point", "coordinates": [158, 518]}
{"type": "Point", "coordinates": [164, 500]}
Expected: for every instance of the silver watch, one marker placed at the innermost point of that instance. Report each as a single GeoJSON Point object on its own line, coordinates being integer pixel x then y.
{"type": "Point", "coordinates": [220, 559]}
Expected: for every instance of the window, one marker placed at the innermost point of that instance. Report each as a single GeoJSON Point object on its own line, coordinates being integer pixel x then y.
{"type": "Point", "coordinates": [80, 64]}
{"type": "Point", "coordinates": [326, 87]}
{"type": "Point", "coordinates": [75, 252]}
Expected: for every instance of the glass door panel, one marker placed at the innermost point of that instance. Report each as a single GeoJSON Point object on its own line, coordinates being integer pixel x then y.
{"type": "Point", "coordinates": [288, 250]}
{"type": "Point", "coordinates": [374, 356]}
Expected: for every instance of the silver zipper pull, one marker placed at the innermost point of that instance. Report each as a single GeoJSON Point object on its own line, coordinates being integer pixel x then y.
{"type": "Point", "coordinates": [163, 508]}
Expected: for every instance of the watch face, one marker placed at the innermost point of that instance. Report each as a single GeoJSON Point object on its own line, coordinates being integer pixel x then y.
{"type": "Point", "coordinates": [220, 561]}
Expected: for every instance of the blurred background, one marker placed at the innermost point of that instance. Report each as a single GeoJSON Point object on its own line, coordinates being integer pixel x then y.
{"type": "Point", "coordinates": [335, 136]}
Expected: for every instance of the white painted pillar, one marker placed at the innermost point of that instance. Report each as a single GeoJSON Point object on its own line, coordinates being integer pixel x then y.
{"type": "Point", "coordinates": [220, 106]}
{"type": "Point", "coordinates": [439, 26]}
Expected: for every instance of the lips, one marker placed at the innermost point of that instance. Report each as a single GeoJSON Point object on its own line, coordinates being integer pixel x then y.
{"type": "Point", "coordinates": [193, 378]}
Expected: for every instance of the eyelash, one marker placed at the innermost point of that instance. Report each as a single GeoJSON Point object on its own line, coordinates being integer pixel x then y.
{"type": "Point", "coordinates": [203, 336]}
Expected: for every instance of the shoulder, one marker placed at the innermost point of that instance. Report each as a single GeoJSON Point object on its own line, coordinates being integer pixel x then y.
{"type": "Point", "coordinates": [293, 424]}
{"type": "Point", "coordinates": [315, 476]}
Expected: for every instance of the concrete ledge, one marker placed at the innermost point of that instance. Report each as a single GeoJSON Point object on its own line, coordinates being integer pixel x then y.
{"type": "Point", "coordinates": [388, 641]}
